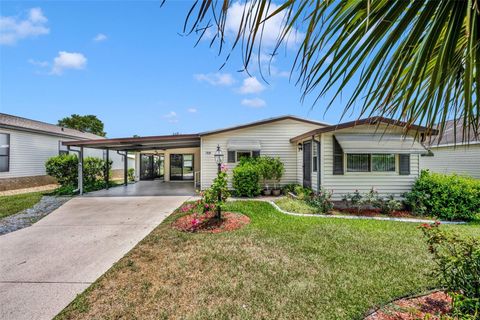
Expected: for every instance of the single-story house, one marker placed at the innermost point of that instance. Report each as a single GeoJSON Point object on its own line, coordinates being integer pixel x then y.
{"type": "Point", "coordinates": [25, 146]}
{"type": "Point", "coordinates": [373, 152]}
{"type": "Point", "coordinates": [452, 152]}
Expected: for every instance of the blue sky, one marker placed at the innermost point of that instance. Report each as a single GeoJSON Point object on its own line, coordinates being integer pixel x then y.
{"type": "Point", "coordinates": [127, 63]}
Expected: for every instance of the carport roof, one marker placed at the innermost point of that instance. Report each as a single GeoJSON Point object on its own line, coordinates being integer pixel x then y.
{"type": "Point", "coordinates": [140, 143]}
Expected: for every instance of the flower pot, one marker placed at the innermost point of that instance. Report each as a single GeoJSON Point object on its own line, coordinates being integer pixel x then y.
{"type": "Point", "coordinates": [267, 192]}
{"type": "Point", "coordinates": [276, 192]}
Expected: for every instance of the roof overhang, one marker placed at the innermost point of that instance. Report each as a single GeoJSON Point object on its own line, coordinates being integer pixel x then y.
{"type": "Point", "coordinates": [367, 121]}
{"type": "Point", "coordinates": [379, 143]}
{"type": "Point", "coordinates": [140, 143]}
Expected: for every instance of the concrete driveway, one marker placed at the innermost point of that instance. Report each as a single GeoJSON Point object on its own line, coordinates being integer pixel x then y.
{"type": "Point", "coordinates": [43, 267]}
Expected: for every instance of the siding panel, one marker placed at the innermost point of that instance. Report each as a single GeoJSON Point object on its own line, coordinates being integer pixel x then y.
{"type": "Point", "coordinates": [461, 160]}
{"type": "Point", "coordinates": [385, 183]}
{"type": "Point", "coordinates": [275, 140]}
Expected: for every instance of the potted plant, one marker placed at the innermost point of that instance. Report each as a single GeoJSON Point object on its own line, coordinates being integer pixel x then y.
{"type": "Point", "coordinates": [277, 170]}
{"type": "Point", "coordinates": [265, 170]}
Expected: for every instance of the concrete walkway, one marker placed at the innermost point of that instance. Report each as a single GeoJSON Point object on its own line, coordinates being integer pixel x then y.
{"type": "Point", "coordinates": [43, 267]}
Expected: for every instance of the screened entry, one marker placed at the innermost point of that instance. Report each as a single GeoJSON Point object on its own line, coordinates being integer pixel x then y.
{"type": "Point", "coordinates": [152, 166]}
{"type": "Point", "coordinates": [181, 167]}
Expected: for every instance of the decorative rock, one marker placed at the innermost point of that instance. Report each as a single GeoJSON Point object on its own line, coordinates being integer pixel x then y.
{"type": "Point", "coordinates": [31, 215]}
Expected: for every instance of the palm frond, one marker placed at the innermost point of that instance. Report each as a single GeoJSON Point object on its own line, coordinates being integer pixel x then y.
{"type": "Point", "coordinates": [415, 61]}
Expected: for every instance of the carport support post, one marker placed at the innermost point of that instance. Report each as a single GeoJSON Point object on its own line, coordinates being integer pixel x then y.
{"type": "Point", "coordinates": [107, 169]}
{"type": "Point", "coordinates": [80, 171]}
{"type": "Point", "coordinates": [125, 167]}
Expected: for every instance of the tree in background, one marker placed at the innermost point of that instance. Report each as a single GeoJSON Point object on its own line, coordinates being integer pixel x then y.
{"type": "Point", "coordinates": [415, 61]}
{"type": "Point", "coordinates": [88, 123]}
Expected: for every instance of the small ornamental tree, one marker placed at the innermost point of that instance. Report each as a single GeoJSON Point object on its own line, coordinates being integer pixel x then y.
{"type": "Point", "coordinates": [211, 198]}
{"type": "Point", "coordinates": [277, 170]}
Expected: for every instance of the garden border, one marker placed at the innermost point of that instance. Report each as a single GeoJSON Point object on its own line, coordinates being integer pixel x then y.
{"type": "Point", "coordinates": [410, 220]}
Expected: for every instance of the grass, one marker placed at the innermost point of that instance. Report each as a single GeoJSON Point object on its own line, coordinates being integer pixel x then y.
{"type": "Point", "coordinates": [294, 205]}
{"type": "Point", "coordinates": [13, 204]}
{"type": "Point", "coordinates": [277, 267]}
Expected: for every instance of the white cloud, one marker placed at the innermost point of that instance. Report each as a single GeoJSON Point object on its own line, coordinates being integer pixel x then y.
{"type": "Point", "coordinates": [274, 71]}
{"type": "Point", "coordinates": [254, 103]}
{"type": "Point", "coordinates": [100, 37]}
{"type": "Point", "coordinates": [192, 110]}
{"type": "Point", "coordinates": [37, 63]}
{"type": "Point", "coordinates": [171, 117]}
{"type": "Point", "coordinates": [68, 60]}
{"type": "Point", "coordinates": [251, 85]}
{"type": "Point", "coordinates": [13, 29]}
{"type": "Point", "coordinates": [272, 27]}
{"type": "Point", "coordinates": [215, 79]}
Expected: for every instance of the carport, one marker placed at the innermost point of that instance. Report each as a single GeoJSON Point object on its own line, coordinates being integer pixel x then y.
{"type": "Point", "coordinates": [125, 145]}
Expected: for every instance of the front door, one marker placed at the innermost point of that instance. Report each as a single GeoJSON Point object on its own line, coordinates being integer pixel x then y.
{"type": "Point", "coordinates": [307, 164]}
{"type": "Point", "coordinates": [151, 166]}
{"type": "Point", "coordinates": [181, 167]}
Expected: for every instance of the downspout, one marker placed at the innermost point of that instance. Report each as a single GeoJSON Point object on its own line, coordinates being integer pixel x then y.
{"type": "Point", "coordinates": [80, 169]}
{"type": "Point", "coordinates": [318, 163]}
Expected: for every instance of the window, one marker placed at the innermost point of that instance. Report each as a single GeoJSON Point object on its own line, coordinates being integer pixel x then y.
{"type": "Point", "coordinates": [314, 157]}
{"type": "Point", "coordinates": [235, 156]}
{"type": "Point", "coordinates": [370, 162]}
{"type": "Point", "coordinates": [383, 162]}
{"type": "Point", "coordinates": [358, 162]}
{"type": "Point", "coordinates": [4, 152]}
{"type": "Point", "coordinates": [243, 154]}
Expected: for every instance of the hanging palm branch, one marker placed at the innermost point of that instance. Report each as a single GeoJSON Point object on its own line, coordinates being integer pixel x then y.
{"type": "Point", "coordinates": [415, 61]}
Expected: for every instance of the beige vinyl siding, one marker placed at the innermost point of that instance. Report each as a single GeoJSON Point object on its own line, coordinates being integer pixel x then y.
{"type": "Point", "coordinates": [274, 138]}
{"type": "Point", "coordinates": [29, 151]}
{"type": "Point", "coordinates": [385, 183]}
{"type": "Point", "coordinates": [464, 160]}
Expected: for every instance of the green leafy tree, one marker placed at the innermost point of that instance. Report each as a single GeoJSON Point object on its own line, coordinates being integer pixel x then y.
{"type": "Point", "coordinates": [88, 123]}
{"type": "Point", "coordinates": [416, 61]}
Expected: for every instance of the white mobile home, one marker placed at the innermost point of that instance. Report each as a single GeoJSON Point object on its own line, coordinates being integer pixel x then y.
{"type": "Point", "coordinates": [453, 152]}
{"type": "Point", "coordinates": [25, 146]}
{"type": "Point", "coordinates": [373, 152]}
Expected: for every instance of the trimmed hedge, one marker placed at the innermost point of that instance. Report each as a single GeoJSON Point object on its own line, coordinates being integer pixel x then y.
{"type": "Point", "coordinates": [246, 177]}
{"type": "Point", "coordinates": [449, 197]}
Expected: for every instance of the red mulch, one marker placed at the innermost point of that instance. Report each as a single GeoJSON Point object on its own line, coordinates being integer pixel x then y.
{"type": "Point", "coordinates": [431, 306]}
{"type": "Point", "coordinates": [376, 212]}
{"type": "Point", "coordinates": [206, 223]}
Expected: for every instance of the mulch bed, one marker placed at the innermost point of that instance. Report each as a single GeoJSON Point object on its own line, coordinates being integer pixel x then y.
{"type": "Point", "coordinates": [430, 306]}
{"type": "Point", "coordinates": [376, 212]}
{"type": "Point", "coordinates": [206, 223]}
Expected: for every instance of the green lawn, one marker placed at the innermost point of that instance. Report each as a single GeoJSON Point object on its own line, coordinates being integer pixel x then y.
{"type": "Point", "coordinates": [278, 267]}
{"type": "Point", "coordinates": [13, 204]}
{"type": "Point", "coordinates": [296, 206]}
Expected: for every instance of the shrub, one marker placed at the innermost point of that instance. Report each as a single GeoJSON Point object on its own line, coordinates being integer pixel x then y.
{"type": "Point", "coordinates": [289, 188]}
{"type": "Point", "coordinates": [246, 178]}
{"type": "Point", "coordinates": [64, 168]}
{"type": "Point", "coordinates": [131, 174]}
{"type": "Point", "coordinates": [94, 170]}
{"type": "Point", "coordinates": [321, 201]}
{"type": "Point", "coordinates": [302, 193]}
{"type": "Point", "coordinates": [388, 205]}
{"type": "Point", "coordinates": [449, 197]}
{"type": "Point", "coordinates": [371, 199]}
{"type": "Point", "coordinates": [457, 267]}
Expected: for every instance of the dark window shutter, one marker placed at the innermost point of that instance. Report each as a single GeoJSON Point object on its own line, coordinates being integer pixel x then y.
{"type": "Point", "coordinates": [231, 156]}
{"type": "Point", "coordinates": [256, 153]}
{"type": "Point", "coordinates": [337, 157]}
{"type": "Point", "coordinates": [404, 160]}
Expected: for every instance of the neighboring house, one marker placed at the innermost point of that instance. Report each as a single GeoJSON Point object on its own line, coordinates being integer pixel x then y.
{"type": "Point", "coordinates": [25, 146]}
{"type": "Point", "coordinates": [453, 152]}
{"type": "Point", "coordinates": [358, 155]}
